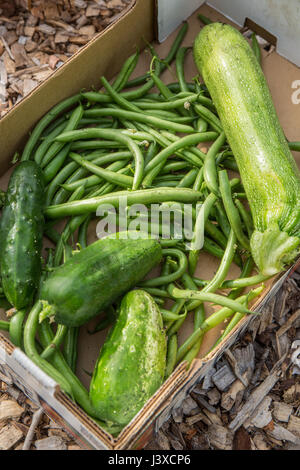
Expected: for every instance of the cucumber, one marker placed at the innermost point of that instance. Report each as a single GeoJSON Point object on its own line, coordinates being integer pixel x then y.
{"type": "Point", "coordinates": [21, 234]}
{"type": "Point", "coordinates": [268, 170]}
{"type": "Point", "coordinates": [132, 361]}
{"type": "Point", "coordinates": [95, 277]}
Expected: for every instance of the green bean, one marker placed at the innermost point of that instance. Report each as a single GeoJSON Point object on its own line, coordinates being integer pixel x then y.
{"type": "Point", "coordinates": [198, 235]}
{"type": "Point", "coordinates": [172, 53]}
{"type": "Point", "coordinates": [159, 160]}
{"type": "Point", "coordinates": [204, 19]}
{"type": "Point", "coordinates": [82, 233]}
{"type": "Point", "coordinates": [171, 355]}
{"type": "Point", "coordinates": [151, 152]}
{"type": "Point", "coordinates": [56, 163]}
{"type": "Point", "coordinates": [140, 117]}
{"type": "Point", "coordinates": [78, 193]}
{"type": "Point", "coordinates": [30, 329]}
{"type": "Point", "coordinates": [218, 317]}
{"type": "Point", "coordinates": [4, 325]}
{"type": "Point", "coordinates": [188, 344]}
{"type": "Point", "coordinates": [188, 154]}
{"type": "Point", "coordinates": [155, 291]}
{"type": "Point", "coordinates": [256, 47]}
{"type": "Point", "coordinates": [244, 282]}
{"type": "Point", "coordinates": [163, 89]}
{"type": "Point", "coordinates": [246, 217]}
{"type": "Point", "coordinates": [174, 166]}
{"type": "Point", "coordinates": [210, 117]}
{"type": "Point", "coordinates": [44, 122]}
{"type": "Point", "coordinates": [213, 249]}
{"type": "Point", "coordinates": [231, 210]}
{"type": "Point", "coordinates": [16, 328]}
{"type": "Point", "coordinates": [113, 134]}
{"type": "Point", "coordinates": [127, 69]}
{"type": "Point", "coordinates": [188, 180]}
{"type": "Point", "coordinates": [180, 56]}
{"type": "Point", "coordinates": [55, 343]}
{"type": "Point", "coordinates": [199, 180]}
{"type": "Point", "coordinates": [93, 180]}
{"type": "Point", "coordinates": [222, 218]}
{"type": "Point", "coordinates": [45, 144]}
{"type": "Point", "coordinates": [182, 267]}
{"type": "Point", "coordinates": [117, 98]}
{"type": "Point", "coordinates": [166, 105]}
{"type": "Point", "coordinates": [57, 146]}
{"type": "Point", "coordinates": [209, 297]}
{"type": "Point", "coordinates": [223, 268]}
{"type": "Point", "coordinates": [174, 327]}
{"type": "Point", "coordinates": [212, 230]}
{"type": "Point", "coordinates": [201, 125]}
{"type": "Point", "coordinates": [96, 144]}
{"type": "Point", "coordinates": [209, 168]}
{"type": "Point", "coordinates": [102, 173]}
{"type": "Point", "coordinates": [138, 135]}
{"type": "Point", "coordinates": [294, 146]}
{"type": "Point", "coordinates": [147, 196]}
{"type": "Point", "coordinates": [70, 347]}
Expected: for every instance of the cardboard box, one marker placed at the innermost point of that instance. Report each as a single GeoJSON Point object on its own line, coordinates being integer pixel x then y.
{"type": "Point", "coordinates": [103, 56]}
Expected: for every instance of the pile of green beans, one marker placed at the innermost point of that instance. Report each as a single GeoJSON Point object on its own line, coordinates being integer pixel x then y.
{"type": "Point", "coordinates": [140, 138]}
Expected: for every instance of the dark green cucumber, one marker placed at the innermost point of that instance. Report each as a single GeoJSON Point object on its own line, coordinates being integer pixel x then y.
{"type": "Point", "coordinates": [21, 234]}
{"type": "Point", "coordinates": [269, 173]}
{"type": "Point", "coordinates": [96, 276]}
{"type": "Point", "coordinates": [132, 361]}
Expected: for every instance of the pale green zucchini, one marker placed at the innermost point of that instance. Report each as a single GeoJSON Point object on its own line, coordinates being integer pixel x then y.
{"type": "Point", "coordinates": [268, 170]}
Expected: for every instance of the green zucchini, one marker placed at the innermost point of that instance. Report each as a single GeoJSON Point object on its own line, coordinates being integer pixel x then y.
{"type": "Point", "coordinates": [132, 361]}
{"type": "Point", "coordinates": [95, 277]}
{"type": "Point", "coordinates": [268, 170]}
{"type": "Point", "coordinates": [21, 234]}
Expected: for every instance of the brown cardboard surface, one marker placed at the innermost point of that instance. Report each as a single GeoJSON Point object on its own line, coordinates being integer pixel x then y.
{"type": "Point", "coordinates": [104, 56]}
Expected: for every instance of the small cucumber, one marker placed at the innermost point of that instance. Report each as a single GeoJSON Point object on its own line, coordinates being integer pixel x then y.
{"type": "Point", "coordinates": [97, 276]}
{"type": "Point", "coordinates": [21, 234]}
{"type": "Point", "coordinates": [132, 361]}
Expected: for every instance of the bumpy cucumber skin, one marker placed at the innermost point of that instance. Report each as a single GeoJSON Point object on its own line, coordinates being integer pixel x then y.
{"type": "Point", "coordinates": [97, 276]}
{"type": "Point", "coordinates": [132, 361]}
{"type": "Point", "coordinates": [21, 234]}
{"type": "Point", "coordinates": [269, 173]}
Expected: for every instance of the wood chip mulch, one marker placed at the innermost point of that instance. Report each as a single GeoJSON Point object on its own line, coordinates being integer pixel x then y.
{"type": "Point", "coordinates": [37, 37]}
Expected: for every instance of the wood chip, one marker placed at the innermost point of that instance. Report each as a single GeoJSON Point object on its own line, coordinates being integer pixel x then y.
{"type": "Point", "coordinates": [220, 437]}
{"type": "Point", "coordinates": [294, 425]}
{"type": "Point", "coordinates": [29, 85]}
{"type": "Point", "coordinates": [282, 434]}
{"type": "Point", "coordinates": [261, 416]}
{"type": "Point", "coordinates": [10, 409]}
{"type": "Point", "coordinates": [229, 397]}
{"type": "Point", "coordinates": [189, 405]}
{"type": "Point", "coordinates": [9, 437]}
{"type": "Point", "coordinates": [241, 440]}
{"type": "Point", "coordinates": [51, 443]}
{"type": "Point", "coordinates": [223, 378]}
{"type": "Point", "coordinates": [254, 400]}
{"type": "Point", "coordinates": [282, 411]}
